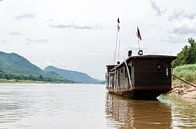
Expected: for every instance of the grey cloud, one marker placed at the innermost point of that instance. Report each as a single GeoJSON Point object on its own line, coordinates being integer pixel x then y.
{"type": "Point", "coordinates": [25, 16]}
{"type": "Point", "coordinates": [184, 30]}
{"type": "Point", "coordinates": [50, 19]}
{"type": "Point", "coordinates": [185, 25]}
{"type": "Point", "coordinates": [156, 8]}
{"type": "Point", "coordinates": [87, 27]}
{"type": "Point", "coordinates": [3, 41]}
{"type": "Point", "coordinates": [16, 33]}
{"type": "Point", "coordinates": [37, 40]}
{"type": "Point", "coordinates": [176, 14]}
{"type": "Point", "coordinates": [190, 16]}
{"type": "Point", "coordinates": [181, 14]}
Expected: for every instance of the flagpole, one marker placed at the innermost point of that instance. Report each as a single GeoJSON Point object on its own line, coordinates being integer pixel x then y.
{"type": "Point", "coordinates": [138, 43]}
{"type": "Point", "coordinates": [139, 38]}
{"type": "Point", "coordinates": [116, 47]}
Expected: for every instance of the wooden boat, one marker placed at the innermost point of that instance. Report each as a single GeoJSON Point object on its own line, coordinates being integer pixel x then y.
{"type": "Point", "coordinates": [142, 76]}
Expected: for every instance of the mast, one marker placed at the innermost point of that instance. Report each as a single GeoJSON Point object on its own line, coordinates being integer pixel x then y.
{"type": "Point", "coordinates": [117, 47]}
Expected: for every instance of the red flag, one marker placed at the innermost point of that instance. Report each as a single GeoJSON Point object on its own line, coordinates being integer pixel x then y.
{"type": "Point", "coordinates": [138, 34]}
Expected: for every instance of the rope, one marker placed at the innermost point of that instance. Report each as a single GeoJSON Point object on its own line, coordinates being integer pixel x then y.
{"type": "Point", "coordinates": [184, 81]}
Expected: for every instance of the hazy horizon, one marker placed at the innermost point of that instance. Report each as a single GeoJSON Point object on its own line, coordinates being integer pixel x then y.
{"type": "Point", "coordinates": [80, 34]}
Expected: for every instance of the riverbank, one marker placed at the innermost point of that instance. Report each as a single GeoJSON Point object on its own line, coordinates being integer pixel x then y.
{"type": "Point", "coordinates": [184, 81]}
{"type": "Point", "coordinates": [184, 90]}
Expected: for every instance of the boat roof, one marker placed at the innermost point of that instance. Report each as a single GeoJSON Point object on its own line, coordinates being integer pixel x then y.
{"type": "Point", "coordinates": [151, 57]}
{"type": "Point", "coordinates": [146, 57]}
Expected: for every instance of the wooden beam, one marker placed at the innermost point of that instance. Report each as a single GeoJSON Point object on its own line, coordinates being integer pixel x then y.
{"type": "Point", "coordinates": [184, 81]}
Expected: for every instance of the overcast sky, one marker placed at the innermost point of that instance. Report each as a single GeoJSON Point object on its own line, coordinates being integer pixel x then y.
{"type": "Point", "coordinates": [80, 34]}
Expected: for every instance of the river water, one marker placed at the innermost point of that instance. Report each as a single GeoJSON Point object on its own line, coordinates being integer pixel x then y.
{"type": "Point", "coordinates": [76, 106]}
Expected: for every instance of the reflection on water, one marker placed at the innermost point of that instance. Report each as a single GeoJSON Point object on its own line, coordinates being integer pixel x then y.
{"type": "Point", "coordinates": [165, 113]}
{"type": "Point", "coordinates": [183, 112]}
{"type": "Point", "coordinates": [125, 113]}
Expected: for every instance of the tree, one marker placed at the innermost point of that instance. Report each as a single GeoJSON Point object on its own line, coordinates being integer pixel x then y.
{"type": "Point", "coordinates": [41, 77]}
{"type": "Point", "coordinates": [187, 54]}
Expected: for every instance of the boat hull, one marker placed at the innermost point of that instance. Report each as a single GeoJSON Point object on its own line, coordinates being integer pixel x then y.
{"type": "Point", "coordinates": [150, 93]}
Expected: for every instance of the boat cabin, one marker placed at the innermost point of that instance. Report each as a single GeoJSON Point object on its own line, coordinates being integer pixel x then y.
{"type": "Point", "coordinates": [141, 75]}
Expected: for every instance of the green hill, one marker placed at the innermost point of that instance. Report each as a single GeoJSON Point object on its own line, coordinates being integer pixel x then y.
{"type": "Point", "coordinates": [14, 66]}
{"type": "Point", "coordinates": [75, 76]}
{"type": "Point", "coordinates": [13, 63]}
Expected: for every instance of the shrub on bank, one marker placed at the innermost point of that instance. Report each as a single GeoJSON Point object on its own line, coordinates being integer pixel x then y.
{"type": "Point", "coordinates": [187, 72]}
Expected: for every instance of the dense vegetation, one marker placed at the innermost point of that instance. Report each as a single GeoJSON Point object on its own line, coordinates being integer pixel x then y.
{"type": "Point", "coordinates": [187, 72]}
{"type": "Point", "coordinates": [187, 55]}
{"type": "Point", "coordinates": [185, 64]}
{"type": "Point", "coordinates": [33, 77]}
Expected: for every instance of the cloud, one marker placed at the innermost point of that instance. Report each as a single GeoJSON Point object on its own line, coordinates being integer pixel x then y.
{"type": "Point", "coordinates": [16, 33]}
{"type": "Point", "coordinates": [156, 8]}
{"type": "Point", "coordinates": [25, 16]}
{"type": "Point", "coordinates": [190, 16]}
{"type": "Point", "coordinates": [3, 41]}
{"type": "Point", "coordinates": [50, 19]}
{"type": "Point", "coordinates": [176, 15]}
{"type": "Point", "coordinates": [87, 27]}
{"type": "Point", "coordinates": [185, 27]}
{"type": "Point", "coordinates": [184, 23]}
{"type": "Point", "coordinates": [37, 40]}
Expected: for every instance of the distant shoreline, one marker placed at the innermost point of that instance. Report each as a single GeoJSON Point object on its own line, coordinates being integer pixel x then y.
{"type": "Point", "coordinates": [13, 81]}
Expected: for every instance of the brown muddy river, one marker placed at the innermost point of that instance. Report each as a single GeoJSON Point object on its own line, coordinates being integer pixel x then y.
{"type": "Point", "coordinates": [76, 106]}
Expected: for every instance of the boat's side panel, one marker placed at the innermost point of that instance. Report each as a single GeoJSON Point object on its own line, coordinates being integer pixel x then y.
{"type": "Point", "coordinates": [152, 74]}
{"type": "Point", "coordinates": [122, 77]}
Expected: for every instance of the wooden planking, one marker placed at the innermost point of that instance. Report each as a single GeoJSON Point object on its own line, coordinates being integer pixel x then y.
{"type": "Point", "coordinates": [123, 80]}
{"type": "Point", "coordinates": [146, 72]}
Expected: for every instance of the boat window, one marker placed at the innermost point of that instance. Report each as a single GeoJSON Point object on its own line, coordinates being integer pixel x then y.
{"type": "Point", "coordinates": [122, 70]}
{"type": "Point", "coordinates": [125, 73]}
{"type": "Point", "coordinates": [129, 69]}
{"type": "Point", "coordinates": [159, 67]}
{"type": "Point", "coordinates": [131, 64]}
{"type": "Point", "coordinates": [167, 71]}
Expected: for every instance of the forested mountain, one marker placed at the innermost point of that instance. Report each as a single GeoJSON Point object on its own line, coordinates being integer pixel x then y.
{"type": "Point", "coordinates": [15, 63]}
{"type": "Point", "coordinates": [14, 66]}
{"type": "Point", "coordinates": [75, 76]}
